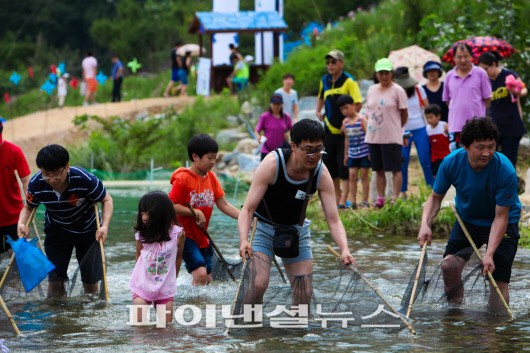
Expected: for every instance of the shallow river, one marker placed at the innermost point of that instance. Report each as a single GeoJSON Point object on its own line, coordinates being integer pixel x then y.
{"type": "Point", "coordinates": [388, 261]}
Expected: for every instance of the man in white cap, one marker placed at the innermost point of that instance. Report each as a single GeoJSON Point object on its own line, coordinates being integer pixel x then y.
{"type": "Point", "coordinates": [332, 85]}
{"type": "Point", "coordinates": [11, 159]}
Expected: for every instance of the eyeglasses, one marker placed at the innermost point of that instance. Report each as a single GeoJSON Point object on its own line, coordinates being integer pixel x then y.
{"type": "Point", "coordinates": [331, 62]}
{"type": "Point", "coordinates": [54, 176]}
{"type": "Point", "coordinates": [310, 152]}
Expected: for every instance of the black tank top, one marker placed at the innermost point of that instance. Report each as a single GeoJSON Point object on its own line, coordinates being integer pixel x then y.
{"type": "Point", "coordinates": [285, 197]}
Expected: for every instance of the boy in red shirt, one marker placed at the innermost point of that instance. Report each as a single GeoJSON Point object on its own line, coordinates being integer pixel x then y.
{"type": "Point", "coordinates": [198, 186]}
{"type": "Point", "coordinates": [11, 159]}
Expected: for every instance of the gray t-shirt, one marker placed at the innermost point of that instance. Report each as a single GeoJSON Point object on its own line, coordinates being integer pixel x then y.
{"type": "Point", "coordinates": [289, 100]}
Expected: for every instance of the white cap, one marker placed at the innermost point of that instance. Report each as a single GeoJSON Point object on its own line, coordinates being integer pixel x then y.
{"type": "Point", "coordinates": [249, 58]}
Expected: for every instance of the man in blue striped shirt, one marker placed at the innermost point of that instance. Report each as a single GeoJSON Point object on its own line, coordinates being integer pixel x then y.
{"type": "Point", "coordinates": [68, 194]}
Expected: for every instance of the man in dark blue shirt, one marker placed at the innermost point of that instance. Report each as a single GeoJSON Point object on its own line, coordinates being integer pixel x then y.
{"type": "Point", "coordinates": [69, 194]}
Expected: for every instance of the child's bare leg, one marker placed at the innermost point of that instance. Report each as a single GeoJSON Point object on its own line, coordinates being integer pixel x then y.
{"type": "Point", "coordinates": [365, 184]}
{"type": "Point", "coordinates": [353, 184]}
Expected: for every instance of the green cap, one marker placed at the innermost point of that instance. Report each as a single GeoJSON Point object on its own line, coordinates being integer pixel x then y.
{"type": "Point", "coordinates": [383, 65]}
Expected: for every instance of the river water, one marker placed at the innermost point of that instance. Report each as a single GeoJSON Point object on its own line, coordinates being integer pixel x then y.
{"type": "Point", "coordinates": [387, 261]}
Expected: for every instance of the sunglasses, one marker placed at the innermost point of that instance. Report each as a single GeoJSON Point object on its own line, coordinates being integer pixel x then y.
{"type": "Point", "coordinates": [331, 62]}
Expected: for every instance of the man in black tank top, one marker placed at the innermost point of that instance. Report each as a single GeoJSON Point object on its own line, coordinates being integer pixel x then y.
{"type": "Point", "coordinates": [277, 196]}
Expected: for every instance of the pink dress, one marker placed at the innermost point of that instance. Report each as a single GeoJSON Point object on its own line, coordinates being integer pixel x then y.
{"type": "Point", "coordinates": [154, 275]}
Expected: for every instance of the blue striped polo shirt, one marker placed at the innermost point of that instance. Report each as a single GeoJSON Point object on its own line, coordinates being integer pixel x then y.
{"type": "Point", "coordinates": [71, 212]}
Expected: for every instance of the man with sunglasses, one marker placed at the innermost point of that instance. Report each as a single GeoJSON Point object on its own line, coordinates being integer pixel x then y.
{"type": "Point", "coordinates": [332, 85]}
{"type": "Point", "coordinates": [69, 194]}
{"type": "Point", "coordinates": [277, 197]}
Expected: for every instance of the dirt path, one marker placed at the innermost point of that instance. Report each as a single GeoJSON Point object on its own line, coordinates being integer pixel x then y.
{"type": "Point", "coordinates": [33, 131]}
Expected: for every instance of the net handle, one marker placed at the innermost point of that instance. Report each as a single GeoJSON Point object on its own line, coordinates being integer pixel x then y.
{"type": "Point", "coordinates": [416, 280]}
{"type": "Point", "coordinates": [11, 260]}
{"type": "Point", "coordinates": [102, 248]}
{"type": "Point", "coordinates": [243, 269]}
{"type": "Point", "coordinates": [475, 249]}
{"type": "Point", "coordinates": [23, 194]}
{"type": "Point", "coordinates": [369, 284]}
{"type": "Point", "coordinates": [216, 249]}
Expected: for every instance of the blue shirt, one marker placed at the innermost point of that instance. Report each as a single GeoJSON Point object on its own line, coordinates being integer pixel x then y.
{"type": "Point", "coordinates": [477, 193]}
{"type": "Point", "coordinates": [115, 67]}
{"type": "Point", "coordinates": [71, 212]}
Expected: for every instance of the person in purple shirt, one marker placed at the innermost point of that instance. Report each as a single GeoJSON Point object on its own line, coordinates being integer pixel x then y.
{"type": "Point", "coordinates": [273, 126]}
{"type": "Point", "coordinates": [467, 92]}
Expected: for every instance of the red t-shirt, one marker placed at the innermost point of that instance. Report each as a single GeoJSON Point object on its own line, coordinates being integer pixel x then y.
{"type": "Point", "coordinates": [201, 193]}
{"type": "Point", "coordinates": [11, 159]}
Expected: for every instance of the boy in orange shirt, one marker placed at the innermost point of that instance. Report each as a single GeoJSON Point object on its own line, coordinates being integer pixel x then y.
{"type": "Point", "coordinates": [198, 186]}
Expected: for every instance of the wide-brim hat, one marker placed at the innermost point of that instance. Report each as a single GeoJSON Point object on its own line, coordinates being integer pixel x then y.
{"type": "Point", "coordinates": [402, 77]}
{"type": "Point", "coordinates": [432, 65]}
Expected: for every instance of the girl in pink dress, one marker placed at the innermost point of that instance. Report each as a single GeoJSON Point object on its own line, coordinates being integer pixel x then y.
{"type": "Point", "coordinates": [159, 247]}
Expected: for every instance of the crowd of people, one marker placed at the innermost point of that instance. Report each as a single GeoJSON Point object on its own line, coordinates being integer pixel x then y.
{"type": "Point", "coordinates": [300, 158]}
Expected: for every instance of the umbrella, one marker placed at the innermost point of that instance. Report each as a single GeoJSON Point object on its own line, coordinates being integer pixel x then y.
{"type": "Point", "coordinates": [413, 57]}
{"type": "Point", "coordinates": [481, 45]}
{"type": "Point", "coordinates": [193, 48]}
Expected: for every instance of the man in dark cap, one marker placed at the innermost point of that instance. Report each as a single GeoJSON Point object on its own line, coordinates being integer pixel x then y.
{"type": "Point", "coordinates": [332, 85]}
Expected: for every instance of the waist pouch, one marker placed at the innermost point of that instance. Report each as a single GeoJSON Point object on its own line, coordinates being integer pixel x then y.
{"type": "Point", "coordinates": [286, 241]}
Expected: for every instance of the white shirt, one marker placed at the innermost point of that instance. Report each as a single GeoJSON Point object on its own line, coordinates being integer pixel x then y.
{"type": "Point", "coordinates": [90, 66]}
{"type": "Point", "coordinates": [415, 119]}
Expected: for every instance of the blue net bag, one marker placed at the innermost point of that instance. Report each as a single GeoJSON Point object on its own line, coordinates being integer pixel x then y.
{"type": "Point", "coordinates": [33, 265]}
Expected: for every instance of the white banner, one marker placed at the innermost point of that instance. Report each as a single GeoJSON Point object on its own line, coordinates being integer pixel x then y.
{"type": "Point", "coordinates": [203, 77]}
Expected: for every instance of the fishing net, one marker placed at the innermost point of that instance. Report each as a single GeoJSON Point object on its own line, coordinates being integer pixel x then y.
{"type": "Point", "coordinates": [473, 291]}
{"type": "Point", "coordinates": [221, 270]}
{"type": "Point", "coordinates": [303, 303]}
{"type": "Point", "coordinates": [85, 279]}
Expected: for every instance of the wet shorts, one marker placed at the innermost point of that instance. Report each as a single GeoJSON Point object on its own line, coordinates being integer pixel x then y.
{"type": "Point", "coordinates": [363, 162]}
{"type": "Point", "coordinates": [195, 257]}
{"type": "Point", "coordinates": [155, 302]}
{"type": "Point", "coordinates": [59, 247]}
{"type": "Point", "coordinates": [264, 236]}
{"type": "Point", "coordinates": [385, 157]}
{"type": "Point", "coordinates": [504, 255]}
{"type": "Point", "coordinates": [7, 230]}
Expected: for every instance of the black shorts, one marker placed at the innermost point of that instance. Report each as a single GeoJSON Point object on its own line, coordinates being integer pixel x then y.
{"type": "Point", "coordinates": [435, 166]}
{"type": "Point", "coordinates": [334, 157]}
{"type": "Point", "coordinates": [59, 247]}
{"type": "Point", "coordinates": [7, 230]}
{"type": "Point", "coordinates": [504, 255]}
{"type": "Point", "coordinates": [385, 157]}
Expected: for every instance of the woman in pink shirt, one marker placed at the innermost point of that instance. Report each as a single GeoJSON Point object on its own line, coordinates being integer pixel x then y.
{"type": "Point", "coordinates": [386, 108]}
{"type": "Point", "coordinates": [273, 126]}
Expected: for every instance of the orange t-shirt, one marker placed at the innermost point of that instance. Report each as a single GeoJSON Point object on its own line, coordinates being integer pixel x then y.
{"type": "Point", "coordinates": [201, 193]}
